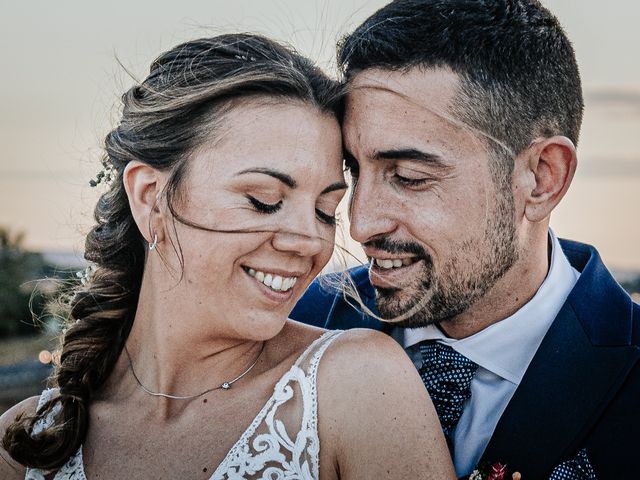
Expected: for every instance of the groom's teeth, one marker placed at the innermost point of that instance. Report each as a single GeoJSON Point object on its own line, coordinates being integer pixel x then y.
{"type": "Point", "coordinates": [384, 263]}
{"type": "Point", "coordinates": [388, 264]}
{"type": "Point", "coordinates": [275, 282]}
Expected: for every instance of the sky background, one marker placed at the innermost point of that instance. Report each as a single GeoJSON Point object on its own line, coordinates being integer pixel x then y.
{"type": "Point", "coordinates": [61, 81]}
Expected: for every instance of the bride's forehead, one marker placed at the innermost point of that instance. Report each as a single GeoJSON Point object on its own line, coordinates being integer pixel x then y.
{"type": "Point", "coordinates": [304, 169]}
{"type": "Point", "coordinates": [271, 135]}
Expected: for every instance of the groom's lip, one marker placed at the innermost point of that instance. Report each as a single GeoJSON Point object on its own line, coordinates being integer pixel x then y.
{"type": "Point", "coordinates": [394, 277]}
{"type": "Point", "coordinates": [373, 254]}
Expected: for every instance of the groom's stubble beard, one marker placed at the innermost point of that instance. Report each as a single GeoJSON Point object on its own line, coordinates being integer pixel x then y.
{"type": "Point", "coordinates": [473, 267]}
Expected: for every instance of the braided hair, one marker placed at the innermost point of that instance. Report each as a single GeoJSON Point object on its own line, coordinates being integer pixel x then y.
{"type": "Point", "coordinates": [177, 107]}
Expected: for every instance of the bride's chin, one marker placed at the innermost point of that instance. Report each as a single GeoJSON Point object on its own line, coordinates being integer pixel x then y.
{"type": "Point", "coordinates": [263, 328]}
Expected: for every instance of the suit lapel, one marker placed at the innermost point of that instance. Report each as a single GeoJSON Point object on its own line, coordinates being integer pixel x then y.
{"type": "Point", "coordinates": [562, 394]}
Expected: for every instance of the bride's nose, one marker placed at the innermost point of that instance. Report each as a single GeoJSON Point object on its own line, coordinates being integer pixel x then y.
{"type": "Point", "coordinates": [301, 236]}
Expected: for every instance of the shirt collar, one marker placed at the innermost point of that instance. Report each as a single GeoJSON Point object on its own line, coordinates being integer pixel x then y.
{"type": "Point", "coordinates": [506, 348]}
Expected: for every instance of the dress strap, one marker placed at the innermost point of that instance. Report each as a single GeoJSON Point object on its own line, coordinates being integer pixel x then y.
{"type": "Point", "coordinates": [310, 358]}
{"type": "Point", "coordinates": [309, 362]}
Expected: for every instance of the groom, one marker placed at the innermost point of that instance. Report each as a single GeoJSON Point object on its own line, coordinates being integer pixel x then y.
{"type": "Point", "coordinates": [460, 130]}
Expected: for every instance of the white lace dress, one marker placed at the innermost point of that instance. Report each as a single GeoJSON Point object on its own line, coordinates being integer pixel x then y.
{"type": "Point", "coordinates": [281, 442]}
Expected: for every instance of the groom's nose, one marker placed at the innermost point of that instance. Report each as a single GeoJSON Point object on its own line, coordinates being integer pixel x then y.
{"type": "Point", "coordinates": [371, 211]}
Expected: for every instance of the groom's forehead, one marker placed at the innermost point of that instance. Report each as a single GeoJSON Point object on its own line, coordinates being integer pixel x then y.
{"type": "Point", "coordinates": [393, 107]}
{"type": "Point", "coordinates": [427, 87]}
{"type": "Point", "coordinates": [388, 97]}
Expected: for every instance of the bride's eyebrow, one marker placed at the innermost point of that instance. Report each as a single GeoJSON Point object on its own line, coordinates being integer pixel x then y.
{"type": "Point", "coordinates": [335, 186]}
{"type": "Point", "coordinates": [283, 177]}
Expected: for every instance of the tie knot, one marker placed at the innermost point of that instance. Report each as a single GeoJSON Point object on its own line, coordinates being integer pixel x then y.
{"type": "Point", "coordinates": [438, 356]}
{"type": "Point", "coordinates": [447, 375]}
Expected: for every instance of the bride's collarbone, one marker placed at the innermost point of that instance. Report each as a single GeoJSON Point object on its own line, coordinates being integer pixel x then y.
{"type": "Point", "coordinates": [187, 447]}
{"type": "Point", "coordinates": [162, 438]}
{"type": "Point", "coordinates": [189, 443]}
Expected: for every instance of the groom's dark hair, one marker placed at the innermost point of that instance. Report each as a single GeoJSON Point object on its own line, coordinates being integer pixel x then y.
{"type": "Point", "coordinates": [518, 74]}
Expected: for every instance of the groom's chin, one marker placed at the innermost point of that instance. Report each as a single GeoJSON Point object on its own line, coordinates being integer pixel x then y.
{"type": "Point", "coordinates": [393, 305]}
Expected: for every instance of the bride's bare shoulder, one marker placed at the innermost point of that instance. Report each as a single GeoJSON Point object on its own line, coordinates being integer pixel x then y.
{"type": "Point", "coordinates": [9, 469]}
{"type": "Point", "coordinates": [363, 350]}
{"type": "Point", "coordinates": [374, 367]}
{"type": "Point", "coordinates": [372, 406]}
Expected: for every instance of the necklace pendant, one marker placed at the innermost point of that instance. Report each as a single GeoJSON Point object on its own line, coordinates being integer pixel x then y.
{"type": "Point", "coordinates": [225, 386]}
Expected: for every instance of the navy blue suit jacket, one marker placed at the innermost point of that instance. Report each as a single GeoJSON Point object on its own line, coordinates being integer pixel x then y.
{"type": "Point", "coordinates": [581, 390]}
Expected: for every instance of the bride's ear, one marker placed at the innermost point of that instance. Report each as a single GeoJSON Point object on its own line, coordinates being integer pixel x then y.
{"type": "Point", "coordinates": [144, 185]}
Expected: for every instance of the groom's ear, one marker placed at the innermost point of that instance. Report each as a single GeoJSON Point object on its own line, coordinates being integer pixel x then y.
{"type": "Point", "coordinates": [550, 165]}
{"type": "Point", "coordinates": [144, 185]}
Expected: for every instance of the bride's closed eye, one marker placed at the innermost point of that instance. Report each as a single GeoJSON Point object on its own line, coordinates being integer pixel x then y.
{"type": "Point", "coordinates": [262, 207]}
{"type": "Point", "coordinates": [326, 218]}
{"type": "Point", "coordinates": [267, 208]}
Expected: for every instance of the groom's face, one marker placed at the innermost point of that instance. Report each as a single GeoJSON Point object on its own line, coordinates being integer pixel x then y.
{"type": "Point", "coordinates": [436, 225]}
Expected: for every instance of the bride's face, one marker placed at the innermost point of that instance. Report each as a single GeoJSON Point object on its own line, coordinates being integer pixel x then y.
{"type": "Point", "coordinates": [273, 171]}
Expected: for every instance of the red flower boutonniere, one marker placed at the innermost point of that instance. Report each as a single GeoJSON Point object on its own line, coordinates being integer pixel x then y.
{"type": "Point", "coordinates": [493, 471]}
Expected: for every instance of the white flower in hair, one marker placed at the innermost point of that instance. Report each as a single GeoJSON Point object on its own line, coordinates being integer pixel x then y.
{"type": "Point", "coordinates": [86, 274]}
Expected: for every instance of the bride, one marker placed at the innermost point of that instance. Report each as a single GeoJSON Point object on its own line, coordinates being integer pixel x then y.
{"type": "Point", "coordinates": [223, 177]}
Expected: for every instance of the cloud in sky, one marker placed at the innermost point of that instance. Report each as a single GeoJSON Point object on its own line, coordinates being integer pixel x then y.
{"type": "Point", "coordinates": [618, 101]}
{"type": "Point", "coordinates": [617, 96]}
{"type": "Point", "coordinates": [608, 167]}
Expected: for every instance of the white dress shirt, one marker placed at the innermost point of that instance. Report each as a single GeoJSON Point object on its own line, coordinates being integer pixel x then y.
{"type": "Point", "coordinates": [503, 352]}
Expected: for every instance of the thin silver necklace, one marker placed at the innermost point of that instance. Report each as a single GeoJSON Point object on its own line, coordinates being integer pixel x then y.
{"type": "Point", "coordinates": [223, 386]}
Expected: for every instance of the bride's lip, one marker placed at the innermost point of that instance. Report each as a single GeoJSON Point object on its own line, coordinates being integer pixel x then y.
{"type": "Point", "coordinates": [270, 294]}
{"type": "Point", "coordinates": [276, 271]}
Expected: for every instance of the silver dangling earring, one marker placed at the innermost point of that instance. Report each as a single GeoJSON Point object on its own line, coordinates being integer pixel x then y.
{"type": "Point", "coordinates": [152, 246]}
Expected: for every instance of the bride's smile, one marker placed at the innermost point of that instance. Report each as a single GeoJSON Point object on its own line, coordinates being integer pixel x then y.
{"type": "Point", "coordinates": [268, 206]}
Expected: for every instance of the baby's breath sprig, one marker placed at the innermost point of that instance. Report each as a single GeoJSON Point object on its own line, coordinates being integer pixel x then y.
{"type": "Point", "coordinates": [106, 175]}
{"type": "Point", "coordinates": [85, 275]}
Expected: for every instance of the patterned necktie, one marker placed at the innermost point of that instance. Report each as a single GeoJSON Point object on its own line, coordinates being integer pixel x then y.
{"type": "Point", "coordinates": [447, 375]}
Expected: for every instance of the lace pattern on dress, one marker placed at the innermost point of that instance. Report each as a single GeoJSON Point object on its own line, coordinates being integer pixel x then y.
{"type": "Point", "coordinates": [266, 450]}
{"type": "Point", "coordinates": [280, 443]}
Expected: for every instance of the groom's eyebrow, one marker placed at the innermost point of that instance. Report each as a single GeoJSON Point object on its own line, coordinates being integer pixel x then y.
{"type": "Point", "coordinates": [410, 154]}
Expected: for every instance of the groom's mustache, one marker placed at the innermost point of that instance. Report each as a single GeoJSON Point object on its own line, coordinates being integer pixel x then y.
{"type": "Point", "coordinates": [395, 247]}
